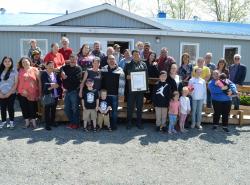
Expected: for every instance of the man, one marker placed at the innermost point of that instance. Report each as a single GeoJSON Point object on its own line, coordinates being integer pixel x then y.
{"type": "Point", "coordinates": [71, 76]}
{"type": "Point", "coordinates": [212, 67]}
{"type": "Point", "coordinates": [98, 53]}
{"type": "Point", "coordinates": [117, 53]}
{"type": "Point", "coordinates": [205, 74]}
{"type": "Point", "coordinates": [147, 51]}
{"type": "Point", "coordinates": [135, 97]}
{"type": "Point", "coordinates": [113, 80]}
{"type": "Point", "coordinates": [65, 50]}
{"type": "Point", "coordinates": [164, 61]}
{"type": "Point", "coordinates": [237, 74]}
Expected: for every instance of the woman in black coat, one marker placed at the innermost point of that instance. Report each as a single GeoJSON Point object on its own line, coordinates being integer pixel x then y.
{"type": "Point", "coordinates": [51, 84]}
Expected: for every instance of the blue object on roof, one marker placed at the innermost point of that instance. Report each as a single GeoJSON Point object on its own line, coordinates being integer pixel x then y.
{"type": "Point", "coordinates": [26, 18]}
{"type": "Point", "coordinates": [196, 26]}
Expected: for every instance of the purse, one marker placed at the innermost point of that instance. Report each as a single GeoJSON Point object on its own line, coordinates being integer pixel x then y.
{"type": "Point", "coordinates": [47, 99]}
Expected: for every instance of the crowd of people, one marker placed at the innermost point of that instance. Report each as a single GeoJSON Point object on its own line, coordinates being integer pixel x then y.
{"type": "Point", "coordinates": [97, 81]}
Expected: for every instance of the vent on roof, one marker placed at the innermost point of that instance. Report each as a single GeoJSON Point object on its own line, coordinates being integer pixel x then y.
{"type": "Point", "coordinates": [2, 10]}
{"type": "Point", "coordinates": [196, 18]}
{"type": "Point", "coordinates": [162, 14]}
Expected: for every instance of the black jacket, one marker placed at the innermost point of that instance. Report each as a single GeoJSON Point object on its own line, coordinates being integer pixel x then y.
{"type": "Point", "coordinates": [161, 94]}
{"type": "Point", "coordinates": [45, 81]}
{"type": "Point", "coordinates": [240, 74]}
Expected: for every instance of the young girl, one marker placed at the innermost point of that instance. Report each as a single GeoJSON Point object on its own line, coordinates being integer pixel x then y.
{"type": "Point", "coordinates": [173, 112]}
{"type": "Point", "coordinates": [199, 97]}
{"type": "Point", "coordinates": [8, 84]}
{"type": "Point", "coordinates": [184, 108]}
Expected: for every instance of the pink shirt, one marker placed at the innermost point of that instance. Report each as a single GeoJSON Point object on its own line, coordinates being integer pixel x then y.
{"type": "Point", "coordinates": [174, 107]}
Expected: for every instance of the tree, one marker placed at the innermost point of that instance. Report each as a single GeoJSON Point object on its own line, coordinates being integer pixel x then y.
{"type": "Point", "coordinates": [178, 9]}
{"type": "Point", "coordinates": [229, 10]}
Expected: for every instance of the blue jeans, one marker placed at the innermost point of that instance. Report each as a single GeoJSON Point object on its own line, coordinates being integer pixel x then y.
{"type": "Point", "coordinates": [71, 107]}
{"type": "Point", "coordinates": [172, 121]}
{"type": "Point", "coordinates": [114, 104]}
{"type": "Point", "coordinates": [236, 103]}
{"type": "Point", "coordinates": [196, 111]}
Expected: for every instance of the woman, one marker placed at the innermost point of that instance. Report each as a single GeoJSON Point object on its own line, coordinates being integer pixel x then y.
{"type": "Point", "coordinates": [8, 84]}
{"type": "Point", "coordinates": [127, 59]}
{"type": "Point", "coordinates": [185, 70]}
{"type": "Point", "coordinates": [221, 102]}
{"type": "Point", "coordinates": [55, 56]}
{"type": "Point", "coordinates": [50, 85]}
{"type": "Point", "coordinates": [199, 97]}
{"type": "Point", "coordinates": [174, 79]}
{"type": "Point", "coordinates": [84, 58]}
{"type": "Point", "coordinates": [222, 66]}
{"type": "Point", "coordinates": [152, 73]}
{"type": "Point", "coordinates": [93, 73]}
{"type": "Point", "coordinates": [28, 89]}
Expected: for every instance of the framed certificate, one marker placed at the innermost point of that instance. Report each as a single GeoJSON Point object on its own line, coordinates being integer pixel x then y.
{"type": "Point", "coordinates": [138, 81]}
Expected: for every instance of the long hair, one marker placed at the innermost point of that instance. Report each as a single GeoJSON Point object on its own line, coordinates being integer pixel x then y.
{"type": "Point", "coordinates": [2, 67]}
{"type": "Point", "coordinates": [182, 58]}
{"type": "Point", "coordinates": [80, 51]}
{"type": "Point", "coordinates": [222, 60]}
{"type": "Point", "coordinates": [20, 65]}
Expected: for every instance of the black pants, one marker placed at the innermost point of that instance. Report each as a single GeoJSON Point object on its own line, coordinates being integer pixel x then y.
{"type": "Point", "coordinates": [29, 108]}
{"type": "Point", "coordinates": [221, 108]}
{"type": "Point", "coordinates": [8, 104]}
{"type": "Point", "coordinates": [49, 113]}
{"type": "Point", "coordinates": [135, 98]}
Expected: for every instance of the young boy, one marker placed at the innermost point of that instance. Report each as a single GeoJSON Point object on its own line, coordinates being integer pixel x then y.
{"type": "Point", "coordinates": [90, 104]}
{"type": "Point", "coordinates": [161, 98]}
{"type": "Point", "coordinates": [103, 110]}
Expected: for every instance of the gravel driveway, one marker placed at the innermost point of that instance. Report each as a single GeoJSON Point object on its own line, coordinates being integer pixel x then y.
{"type": "Point", "coordinates": [70, 157]}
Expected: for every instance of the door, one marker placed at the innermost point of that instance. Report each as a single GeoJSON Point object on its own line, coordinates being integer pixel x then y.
{"type": "Point", "coordinates": [229, 52]}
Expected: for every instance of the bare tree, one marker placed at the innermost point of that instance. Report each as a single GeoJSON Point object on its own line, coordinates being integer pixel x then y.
{"type": "Point", "coordinates": [229, 10]}
{"type": "Point", "coordinates": [179, 9]}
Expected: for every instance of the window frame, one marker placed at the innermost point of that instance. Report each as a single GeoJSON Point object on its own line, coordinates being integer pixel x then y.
{"type": "Point", "coordinates": [28, 39]}
{"type": "Point", "coordinates": [190, 44]}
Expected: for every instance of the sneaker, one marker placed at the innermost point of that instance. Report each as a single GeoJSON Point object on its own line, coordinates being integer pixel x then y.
{"type": "Point", "coordinates": [192, 125]}
{"type": "Point", "coordinates": [169, 132]}
{"type": "Point", "coordinates": [174, 131]}
{"type": "Point", "coordinates": [69, 126]}
{"type": "Point", "coordinates": [8, 125]}
{"type": "Point", "coordinates": [163, 129]}
{"type": "Point", "coordinates": [215, 127]}
{"type": "Point", "coordinates": [199, 127]}
{"type": "Point", "coordinates": [94, 129]}
{"type": "Point", "coordinates": [2, 124]}
{"type": "Point", "coordinates": [12, 125]}
{"type": "Point", "coordinates": [225, 129]}
{"type": "Point", "coordinates": [48, 128]}
{"type": "Point", "coordinates": [74, 126]}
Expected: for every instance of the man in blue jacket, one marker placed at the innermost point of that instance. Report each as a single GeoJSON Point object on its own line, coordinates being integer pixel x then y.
{"type": "Point", "coordinates": [237, 74]}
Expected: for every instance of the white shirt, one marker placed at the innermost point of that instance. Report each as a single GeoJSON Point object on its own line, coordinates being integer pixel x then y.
{"type": "Point", "coordinates": [200, 89]}
{"type": "Point", "coordinates": [185, 107]}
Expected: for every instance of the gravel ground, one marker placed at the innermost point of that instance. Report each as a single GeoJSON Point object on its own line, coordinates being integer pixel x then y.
{"type": "Point", "coordinates": [70, 157]}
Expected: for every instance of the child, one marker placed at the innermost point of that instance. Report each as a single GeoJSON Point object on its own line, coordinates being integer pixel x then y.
{"type": "Point", "coordinates": [224, 83]}
{"type": "Point", "coordinates": [173, 112]}
{"type": "Point", "coordinates": [90, 104]}
{"type": "Point", "coordinates": [185, 108]}
{"type": "Point", "coordinates": [161, 94]}
{"type": "Point", "coordinates": [103, 110]}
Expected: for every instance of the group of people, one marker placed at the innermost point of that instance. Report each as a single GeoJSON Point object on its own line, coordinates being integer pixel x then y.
{"type": "Point", "coordinates": [97, 81]}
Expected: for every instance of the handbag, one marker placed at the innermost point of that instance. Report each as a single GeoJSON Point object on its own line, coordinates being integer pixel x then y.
{"type": "Point", "coordinates": [47, 99]}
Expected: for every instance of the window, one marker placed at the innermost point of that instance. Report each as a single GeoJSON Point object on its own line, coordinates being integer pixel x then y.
{"type": "Point", "coordinates": [25, 46]}
{"type": "Point", "coordinates": [106, 42]}
{"type": "Point", "coordinates": [192, 49]}
{"type": "Point", "coordinates": [229, 51]}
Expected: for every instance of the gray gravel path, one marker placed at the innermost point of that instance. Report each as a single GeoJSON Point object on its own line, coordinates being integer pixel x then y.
{"type": "Point", "coordinates": [69, 157]}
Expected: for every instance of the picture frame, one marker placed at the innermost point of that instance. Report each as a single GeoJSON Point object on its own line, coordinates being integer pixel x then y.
{"type": "Point", "coordinates": [138, 81]}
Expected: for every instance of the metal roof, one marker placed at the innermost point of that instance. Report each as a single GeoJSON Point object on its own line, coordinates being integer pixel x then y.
{"type": "Point", "coordinates": [25, 18]}
{"type": "Point", "coordinates": [197, 26]}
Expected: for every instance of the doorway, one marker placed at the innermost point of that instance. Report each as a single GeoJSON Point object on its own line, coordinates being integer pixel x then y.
{"type": "Point", "coordinates": [123, 44]}
{"type": "Point", "coordinates": [229, 52]}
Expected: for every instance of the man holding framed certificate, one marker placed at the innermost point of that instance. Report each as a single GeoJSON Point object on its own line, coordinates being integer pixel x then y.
{"type": "Point", "coordinates": [137, 78]}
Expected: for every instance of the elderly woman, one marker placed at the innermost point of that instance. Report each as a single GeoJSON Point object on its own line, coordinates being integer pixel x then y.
{"type": "Point", "coordinates": [28, 89]}
{"type": "Point", "coordinates": [221, 101]}
{"type": "Point", "coordinates": [50, 85]}
{"type": "Point", "coordinates": [55, 56]}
